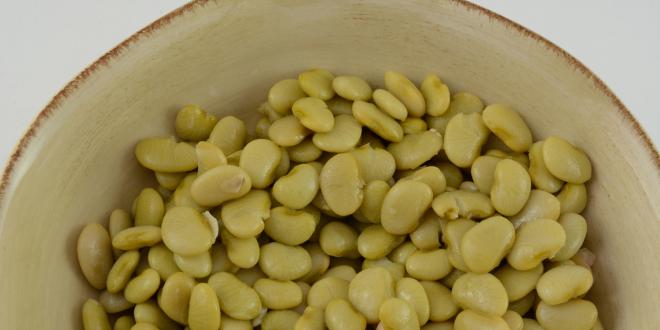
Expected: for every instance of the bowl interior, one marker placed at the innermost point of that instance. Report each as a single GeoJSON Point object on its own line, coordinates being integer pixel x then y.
{"type": "Point", "coordinates": [79, 162]}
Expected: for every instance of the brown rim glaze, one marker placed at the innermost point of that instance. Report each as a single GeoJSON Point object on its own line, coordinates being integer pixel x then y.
{"type": "Point", "coordinates": [167, 19]}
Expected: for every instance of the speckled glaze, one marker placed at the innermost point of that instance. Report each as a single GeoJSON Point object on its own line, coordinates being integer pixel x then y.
{"type": "Point", "coordinates": [75, 163]}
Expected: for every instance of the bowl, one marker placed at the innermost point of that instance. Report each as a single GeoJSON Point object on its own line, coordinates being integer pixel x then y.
{"type": "Point", "coordinates": [75, 163]}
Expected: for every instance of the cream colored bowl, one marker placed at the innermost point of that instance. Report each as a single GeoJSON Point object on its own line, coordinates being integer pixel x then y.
{"type": "Point", "coordinates": [75, 164]}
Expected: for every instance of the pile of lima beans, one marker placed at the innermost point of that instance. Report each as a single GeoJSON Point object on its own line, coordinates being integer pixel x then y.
{"type": "Point", "coordinates": [346, 208]}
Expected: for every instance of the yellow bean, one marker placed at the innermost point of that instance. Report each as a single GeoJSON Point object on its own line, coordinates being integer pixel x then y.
{"type": "Point", "coordinates": [374, 194]}
{"type": "Point", "coordinates": [511, 187]}
{"type": "Point", "coordinates": [137, 237]}
{"type": "Point", "coordinates": [166, 155]}
{"type": "Point", "coordinates": [261, 127]}
{"type": "Point", "coordinates": [244, 217]}
{"type": "Point", "coordinates": [485, 245]}
{"type": "Point", "coordinates": [482, 293]}
{"type": "Point", "coordinates": [538, 172]}
{"type": "Point", "coordinates": [338, 239]}
{"type": "Point", "coordinates": [259, 159]}
{"type": "Point", "coordinates": [237, 300]}
{"type": "Point", "coordinates": [181, 196]}
{"type": "Point", "coordinates": [312, 318]}
{"type": "Point", "coordinates": [204, 310]}
{"type": "Point", "coordinates": [229, 323]}
{"type": "Point", "coordinates": [343, 272]}
{"type": "Point", "coordinates": [279, 320]}
{"type": "Point", "coordinates": [397, 270]}
{"type": "Point", "coordinates": [124, 323]}
{"type": "Point", "coordinates": [522, 306]}
{"type": "Point", "coordinates": [531, 324]}
{"type": "Point", "coordinates": [208, 156]}
{"type": "Point", "coordinates": [149, 312]}
{"type": "Point", "coordinates": [161, 260]}
{"type": "Point", "coordinates": [314, 114]}
{"type": "Point", "coordinates": [575, 227]}
{"type": "Point", "coordinates": [278, 294]}
{"type": "Point", "coordinates": [305, 152]}
{"type": "Point", "coordinates": [142, 287]}
{"type": "Point", "coordinates": [94, 252]}
{"type": "Point", "coordinates": [283, 94]}
{"type": "Point", "coordinates": [374, 242]}
{"type": "Point", "coordinates": [460, 103]}
{"type": "Point", "coordinates": [374, 163]}
{"type": "Point", "coordinates": [564, 283]}
{"type": "Point", "coordinates": [414, 125]}
{"type": "Point", "coordinates": [242, 252]}
{"type": "Point", "coordinates": [341, 184]}
{"type": "Point", "coordinates": [320, 262]}
{"type": "Point", "coordinates": [566, 162]}
{"type": "Point", "coordinates": [121, 271]}
{"type": "Point", "coordinates": [186, 232]}
{"type": "Point", "coordinates": [518, 283]}
{"type": "Point", "coordinates": [436, 94]}
{"type": "Point", "coordinates": [507, 125]}
{"type": "Point", "coordinates": [412, 292]}
{"type": "Point", "coordinates": [287, 131]}
{"type": "Point", "coordinates": [390, 104]}
{"type": "Point", "coordinates": [340, 315]}
{"type": "Point", "coordinates": [464, 136]}
{"type": "Point", "coordinates": [483, 172]}
{"type": "Point", "coordinates": [439, 326]}
{"type": "Point", "coordinates": [369, 289]}
{"type": "Point", "coordinates": [404, 205]}
{"type": "Point", "coordinates": [415, 149]}
{"type": "Point", "coordinates": [576, 314]}
{"type": "Point", "coordinates": [428, 265]}
{"type": "Point", "coordinates": [536, 241]}
{"type": "Point", "coordinates": [540, 204]}
{"type": "Point", "coordinates": [453, 175]}
{"type": "Point", "coordinates": [343, 137]}
{"type": "Point", "coordinates": [404, 89]}
{"type": "Point", "coordinates": [94, 316]}
{"type": "Point", "coordinates": [377, 121]}
{"type": "Point", "coordinates": [352, 88]}
{"type": "Point", "coordinates": [298, 188]}
{"type": "Point", "coordinates": [427, 234]}
{"type": "Point", "coordinates": [442, 305]}
{"type": "Point", "coordinates": [174, 297]}
{"type": "Point", "coordinates": [469, 319]}
{"type": "Point", "coordinates": [317, 83]}
{"type": "Point", "coordinates": [229, 134]}
{"type": "Point", "coordinates": [114, 302]}
{"type": "Point", "coordinates": [282, 262]}
{"type": "Point", "coordinates": [291, 227]}
{"type": "Point", "coordinates": [149, 208]}
{"type": "Point", "coordinates": [572, 198]}
{"type": "Point", "coordinates": [451, 278]}
{"type": "Point", "coordinates": [219, 185]}
{"type": "Point", "coordinates": [396, 313]}
{"type": "Point", "coordinates": [340, 106]}
{"type": "Point", "coordinates": [327, 289]}
{"type": "Point", "coordinates": [514, 320]}
{"type": "Point", "coordinates": [463, 204]}
{"type": "Point", "coordinates": [196, 266]}
{"type": "Point", "coordinates": [194, 124]}
{"type": "Point", "coordinates": [452, 236]}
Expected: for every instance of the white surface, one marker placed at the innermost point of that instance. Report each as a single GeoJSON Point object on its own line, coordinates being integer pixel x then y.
{"type": "Point", "coordinates": [46, 45]}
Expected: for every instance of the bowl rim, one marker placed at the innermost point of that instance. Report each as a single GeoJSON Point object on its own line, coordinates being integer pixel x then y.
{"type": "Point", "coordinates": [144, 33]}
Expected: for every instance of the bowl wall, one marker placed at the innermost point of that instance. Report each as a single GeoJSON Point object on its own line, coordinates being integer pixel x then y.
{"type": "Point", "coordinates": [76, 163]}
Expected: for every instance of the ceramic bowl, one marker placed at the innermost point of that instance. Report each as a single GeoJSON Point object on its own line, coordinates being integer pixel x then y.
{"type": "Point", "coordinates": [75, 163]}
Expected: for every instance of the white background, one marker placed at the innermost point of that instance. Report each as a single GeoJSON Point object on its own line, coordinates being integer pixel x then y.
{"type": "Point", "coordinates": [44, 44]}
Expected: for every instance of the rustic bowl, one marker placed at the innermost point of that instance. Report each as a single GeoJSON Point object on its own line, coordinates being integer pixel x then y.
{"type": "Point", "coordinates": [75, 163]}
